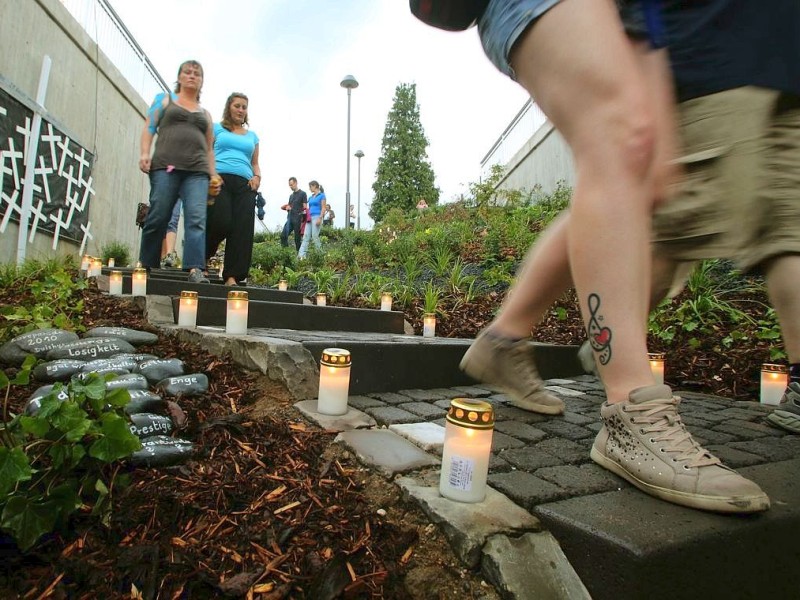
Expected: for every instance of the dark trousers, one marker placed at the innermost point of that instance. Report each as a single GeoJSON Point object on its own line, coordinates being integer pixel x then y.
{"type": "Point", "coordinates": [231, 218]}
{"type": "Point", "coordinates": [292, 224]}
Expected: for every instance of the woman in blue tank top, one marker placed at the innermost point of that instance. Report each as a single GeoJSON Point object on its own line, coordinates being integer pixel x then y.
{"type": "Point", "coordinates": [317, 204]}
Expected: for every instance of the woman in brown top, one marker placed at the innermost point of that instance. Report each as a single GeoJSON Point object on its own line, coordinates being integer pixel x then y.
{"type": "Point", "coordinates": [181, 167]}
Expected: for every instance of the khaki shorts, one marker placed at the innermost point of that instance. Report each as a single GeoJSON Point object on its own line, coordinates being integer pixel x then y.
{"type": "Point", "coordinates": [740, 197]}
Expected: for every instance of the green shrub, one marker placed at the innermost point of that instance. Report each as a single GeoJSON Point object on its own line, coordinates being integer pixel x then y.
{"type": "Point", "coordinates": [269, 256]}
{"type": "Point", "coordinates": [118, 251]}
{"type": "Point", "coordinates": [47, 298]}
{"type": "Point", "coordinates": [59, 460]}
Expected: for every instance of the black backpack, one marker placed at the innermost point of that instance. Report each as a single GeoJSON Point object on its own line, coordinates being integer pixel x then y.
{"type": "Point", "coordinates": [452, 15]}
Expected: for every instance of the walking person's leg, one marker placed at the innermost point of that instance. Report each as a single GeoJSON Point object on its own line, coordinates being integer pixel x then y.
{"type": "Point", "coordinates": [193, 192]}
{"type": "Point", "coordinates": [298, 236]}
{"type": "Point", "coordinates": [239, 244]}
{"type": "Point", "coordinates": [576, 61]}
{"type": "Point", "coordinates": [164, 188]}
{"type": "Point", "coordinates": [287, 228]}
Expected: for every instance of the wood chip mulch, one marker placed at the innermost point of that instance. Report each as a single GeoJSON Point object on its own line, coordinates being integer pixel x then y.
{"type": "Point", "coordinates": [265, 510]}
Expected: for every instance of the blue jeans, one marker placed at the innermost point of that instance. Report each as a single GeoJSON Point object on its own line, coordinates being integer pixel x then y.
{"type": "Point", "coordinates": [502, 24]}
{"type": "Point", "coordinates": [175, 218]}
{"type": "Point", "coordinates": [312, 231]}
{"type": "Point", "coordinates": [165, 189]}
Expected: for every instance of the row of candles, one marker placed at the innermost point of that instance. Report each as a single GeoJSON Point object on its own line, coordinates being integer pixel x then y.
{"type": "Point", "coordinates": [774, 378]}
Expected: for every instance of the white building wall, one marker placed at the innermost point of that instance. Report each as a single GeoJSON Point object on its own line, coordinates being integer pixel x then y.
{"type": "Point", "coordinates": [89, 100]}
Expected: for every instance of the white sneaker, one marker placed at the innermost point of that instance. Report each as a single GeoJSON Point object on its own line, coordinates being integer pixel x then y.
{"type": "Point", "coordinates": [645, 442]}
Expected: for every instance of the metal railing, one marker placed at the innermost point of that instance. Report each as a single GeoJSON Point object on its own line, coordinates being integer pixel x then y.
{"type": "Point", "coordinates": [108, 31]}
{"type": "Point", "coordinates": [521, 129]}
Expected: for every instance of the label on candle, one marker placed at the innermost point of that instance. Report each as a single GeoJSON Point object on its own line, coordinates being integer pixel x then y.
{"type": "Point", "coordinates": [461, 470]}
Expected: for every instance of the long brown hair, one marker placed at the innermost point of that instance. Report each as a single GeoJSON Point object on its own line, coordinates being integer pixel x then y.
{"type": "Point", "coordinates": [189, 63]}
{"type": "Point", "coordinates": [227, 122]}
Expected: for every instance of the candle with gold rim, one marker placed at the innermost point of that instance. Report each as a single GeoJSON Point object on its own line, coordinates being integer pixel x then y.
{"type": "Point", "coordinates": [139, 282]}
{"type": "Point", "coordinates": [96, 268]}
{"type": "Point", "coordinates": [429, 325]}
{"type": "Point", "coordinates": [236, 321]}
{"type": "Point", "coordinates": [467, 448]}
{"type": "Point", "coordinates": [774, 379]}
{"type": "Point", "coordinates": [334, 381]}
{"type": "Point", "coordinates": [386, 301]}
{"type": "Point", "coordinates": [115, 283]}
{"type": "Point", "coordinates": [187, 309]}
{"type": "Point", "coordinates": [283, 285]}
{"type": "Point", "coordinates": [322, 299]}
{"type": "Point", "coordinates": [657, 360]}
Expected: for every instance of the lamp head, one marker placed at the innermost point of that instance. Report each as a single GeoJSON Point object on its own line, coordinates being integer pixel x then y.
{"type": "Point", "coordinates": [359, 154]}
{"type": "Point", "coordinates": [349, 82]}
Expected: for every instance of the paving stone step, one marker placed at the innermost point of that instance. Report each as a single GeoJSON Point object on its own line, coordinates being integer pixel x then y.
{"type": "Point", "coordinates": [384, 363]}
{"type": "Point", "coordinates": [303, 317]}
{"type": "Point", "coordinates": [625, 544]}
{"type": "Point", "coordinates": [173, 287]}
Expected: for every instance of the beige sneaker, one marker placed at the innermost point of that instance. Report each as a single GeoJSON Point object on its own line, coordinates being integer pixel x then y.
{"type": "Point", "coordinates": [511, 366]}
{"type": "Point", "coordinates": [645, 442]}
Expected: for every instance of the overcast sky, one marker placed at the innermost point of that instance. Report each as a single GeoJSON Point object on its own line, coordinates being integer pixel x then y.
{"type": "Point", "coordinates": [289, 57]}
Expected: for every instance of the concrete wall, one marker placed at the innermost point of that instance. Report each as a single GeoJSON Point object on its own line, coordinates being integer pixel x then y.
{"type": "Point", "coordinates": [89, 100]}
{"type": "Point", "coordinates": [544, 160]}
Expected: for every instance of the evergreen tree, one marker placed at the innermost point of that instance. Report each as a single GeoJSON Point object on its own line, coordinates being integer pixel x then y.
{"type": "Point", "coordinates": [404, 174]}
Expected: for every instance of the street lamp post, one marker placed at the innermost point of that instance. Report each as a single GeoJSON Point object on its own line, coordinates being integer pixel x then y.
{"type": "Point", "coordinates": [359, 155]}
{"type": "Point", "coordinates": [349, 83]}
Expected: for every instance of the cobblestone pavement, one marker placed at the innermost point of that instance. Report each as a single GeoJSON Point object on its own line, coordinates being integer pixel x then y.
{"type": "Point", "coordinates": [538, 458]}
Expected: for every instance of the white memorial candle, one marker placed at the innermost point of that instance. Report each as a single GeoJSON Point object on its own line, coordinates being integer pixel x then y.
{"type": "Point", "coordinates": [321, 299]}
{"type": "Point", "coordinates": [97, 268]}
{"type": "Point", "coordinates": [657, 360]}
{"type": "Point", "coordinates": [115, 283]}
{"type": "Point", "coordinates": [112, 262]}
{"type": "Point", "coordinates": [139, 282]}
{"type": "Point", "coordinates": [386, 301]}
{"type": "Point", "coordinates": [429, 325]}
{"type": "Point", "coordinates": [774, 379]}
{"type": "Point", "coordinates": [467, 449]}
{"type": "Point", "coordinates": [283, 285]}
{"type": "Point", "coordinates": [334, 381]}
{"type": "Point", "coordinates": [187, 310]}
{"type": "Point", "coordinates": [236, 321]}
{"type": "Point", "coordinates": [85, 264]}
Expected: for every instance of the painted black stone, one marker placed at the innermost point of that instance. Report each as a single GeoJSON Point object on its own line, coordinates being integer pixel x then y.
{"type": "Point", "coordinates": [129, 381]}
{"type": "Point", "coordinates": [137, 356]}
{"type": "Point", "coordinates": [185, 385]}
{"type": "Point", "coordinates": [110, 365]}
{"type": "Point", "coordinates": [162, 451]}
{"type": "Point", "coordinates": [158, 369]}
{"type": "Point", "coordinates": [132, 336]}
{"type": "Point", "coordinates": [38, 342]}
{"type": "Point", "coordinates": [57, 370]}
{"type": "Point", "coordinates": [89, 349]}
{"type": "Point", "coordinates": [34, 403]}
{"type": "Point", "coordinates": [144, 425]}
{"type": "Point", "coordinates": [144, 401]}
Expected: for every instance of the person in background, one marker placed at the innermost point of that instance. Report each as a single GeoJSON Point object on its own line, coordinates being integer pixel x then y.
{"type": "Point", "coordinates": [328, 217]}
{"type": "Point", "coordinates": [352, 216]}
{"type": "Point", "coordinates": [231, 217]}
{"type": "Point", "coordinates": [316, 208]}
{"type": "Point", "coordinates": [182, 166]}
{"type": "Point", "coordinates": [169, 258]}
{"type": "Point", "coordinates": [295, 215]}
